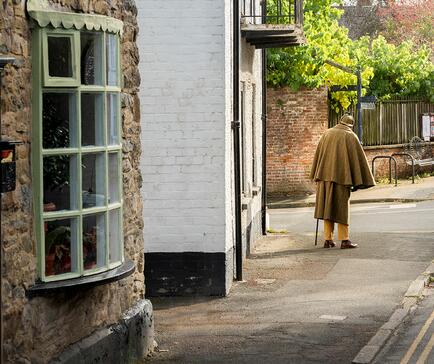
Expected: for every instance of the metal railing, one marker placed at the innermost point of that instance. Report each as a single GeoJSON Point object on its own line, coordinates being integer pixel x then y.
{"type": "Point", "coordinates": [390, 158]}
{"type": "Point", "coordinates": [272, 11]}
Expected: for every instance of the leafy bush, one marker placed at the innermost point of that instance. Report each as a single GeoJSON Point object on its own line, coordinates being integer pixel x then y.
{"type": "Point", "coordinates": [387, 70]}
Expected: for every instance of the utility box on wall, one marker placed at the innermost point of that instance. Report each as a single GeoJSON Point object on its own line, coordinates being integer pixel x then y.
{"type": "Point", "coordinates": [8, 166]}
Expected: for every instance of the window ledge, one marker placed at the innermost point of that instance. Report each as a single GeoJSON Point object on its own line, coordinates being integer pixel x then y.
{"type": "Point", "coordinates": [112, 275]}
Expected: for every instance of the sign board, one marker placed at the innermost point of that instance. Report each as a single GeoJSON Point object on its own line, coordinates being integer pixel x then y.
{"type": "Point", "coordinates": [367, 105]}
{"type": "Point", "coordinates": [368, 102]}
{"type": "Point", "coordinates": [368, 99]}
{"type": "Point", "coordinates": [343, 88]}
{"type": "Point", "coordinates": [427, 126]}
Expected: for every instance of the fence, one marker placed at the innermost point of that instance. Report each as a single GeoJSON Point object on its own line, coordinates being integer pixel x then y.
{"type": "Point", "coordinates": [391, 122]}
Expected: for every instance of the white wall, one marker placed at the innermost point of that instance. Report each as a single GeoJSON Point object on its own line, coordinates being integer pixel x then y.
{"type": "Point", "coordinates": [184, 127]}
{"type": "Point", "coordinates": [229, 153]}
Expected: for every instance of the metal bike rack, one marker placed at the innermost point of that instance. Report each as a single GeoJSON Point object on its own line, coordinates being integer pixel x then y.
{"type": "Point", "coordinates": [412, 162]}
{"type": "Point", "coordinates": [390, 158]}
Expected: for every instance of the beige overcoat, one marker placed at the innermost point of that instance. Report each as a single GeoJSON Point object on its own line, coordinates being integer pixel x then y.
{"type": "Point", "coordinates": [339, 164]}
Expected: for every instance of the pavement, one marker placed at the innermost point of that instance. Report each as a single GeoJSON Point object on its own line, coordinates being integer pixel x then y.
{"type": "Point", "coordinates": [413, 342]}
{"type": "Point", "coordinates": [304, 304]}
{"type": "Point", "coordinates": [405, 191]}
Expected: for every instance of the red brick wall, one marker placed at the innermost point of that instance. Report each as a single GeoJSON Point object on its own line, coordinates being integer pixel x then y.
{"type": "Point", "coordinates": [295, 122]}
{"type": "Point", "coordinates": [382, 165]}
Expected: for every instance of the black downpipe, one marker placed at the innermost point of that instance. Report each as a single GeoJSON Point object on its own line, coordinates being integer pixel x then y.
{"type": "Point", "coordinates": [264, 143]}
{"type": "Point", "coordinates": [264, 129]}
{"type": "Point", "coordinates": [236, 139]}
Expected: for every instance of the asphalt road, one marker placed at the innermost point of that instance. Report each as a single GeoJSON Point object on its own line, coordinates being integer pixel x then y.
{"type": "Point", "coordinates": [299, 303]}
{"type": "Point", "coordinates": [364, 218]}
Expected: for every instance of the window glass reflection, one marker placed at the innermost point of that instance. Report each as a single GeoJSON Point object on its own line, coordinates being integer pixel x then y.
{"type": "Point", "coordinates": [93, 167]}
{"type": "Point", "coordinates": [112, 59]}
{"type": "Point", "coordinates": [114, 236]}
{"type": "Point", "coordinates": [94, 241]}
{"type": "Point", "coordinates": [113, 177]}
{"type": "Point", "coordinates": [59, 192]}
{"type": "Point", "coordinates": [91, 60]}
{"type": "Point", "coordinates": [59, 56]}
{"type": "Point", "coordinates": [91, 119]}
{"type": "Point", "coordinates": [60, 246]}
{"type": "Point", "coordinates": [58, 120]}
{"type": "Point", "coordinates": [112, 118]}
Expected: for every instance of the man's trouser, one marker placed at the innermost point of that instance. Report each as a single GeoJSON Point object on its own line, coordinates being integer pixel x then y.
{"type": "Point", "coordinates": [343, 230]}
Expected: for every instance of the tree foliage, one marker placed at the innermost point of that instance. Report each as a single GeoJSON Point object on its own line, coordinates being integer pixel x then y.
{"type": "Point", "coordinates": [386, 69]}
{"type": "Point", "coordinates": [398, 69]}
{"type": "Point", "coordinates": [413, 20]}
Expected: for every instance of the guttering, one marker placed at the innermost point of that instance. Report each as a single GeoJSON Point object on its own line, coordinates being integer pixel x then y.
{"type": "Point", "coordinates": [236, 137]}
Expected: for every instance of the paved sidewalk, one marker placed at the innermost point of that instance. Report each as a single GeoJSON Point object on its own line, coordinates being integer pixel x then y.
{"type": "Point", "coordinates": [298, 304]}
{"type": "Point", "coordinates": [421, 190]}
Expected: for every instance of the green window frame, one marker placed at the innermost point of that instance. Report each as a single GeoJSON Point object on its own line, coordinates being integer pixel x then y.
{"type": "Point", "coordinates": [77, 152]}
{"type": "Point", "coordinates": [74, 42]}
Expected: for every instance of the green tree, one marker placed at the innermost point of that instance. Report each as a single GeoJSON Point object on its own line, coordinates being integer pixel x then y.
{"type": "Point", "coordinates": [399, 70]}
{"type": "Point", "coordinates": [387, 70]}
{"type": "Point", "coordinates": [409, 20]}
{"type": "Point", "coordinates": [326, 40]}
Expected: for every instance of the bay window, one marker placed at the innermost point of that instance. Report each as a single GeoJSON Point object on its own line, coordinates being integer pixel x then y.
{"type": "Point", "coordinates": [76, 152]}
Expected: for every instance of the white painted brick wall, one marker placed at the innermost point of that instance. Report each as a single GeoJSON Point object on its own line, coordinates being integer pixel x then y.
{"type": "Point", "coordinates": [184, 124]}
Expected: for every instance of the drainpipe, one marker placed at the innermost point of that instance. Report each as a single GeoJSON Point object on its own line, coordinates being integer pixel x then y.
{"type": "Point", "coordinates": [264, 129]}
{"type": "Point", "coordinates": [3, 62]}
{"type": "Point", "coordinates": [264, 143]}
{"type": "Point", "coordinates": [236, 138]}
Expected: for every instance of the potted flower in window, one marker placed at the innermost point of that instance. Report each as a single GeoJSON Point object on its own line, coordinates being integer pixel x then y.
{"type": "Point", "coordinates": [57, 251]}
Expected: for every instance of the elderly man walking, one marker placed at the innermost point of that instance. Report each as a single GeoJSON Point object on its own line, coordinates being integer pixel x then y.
{"type": "Point", "coordinates": [339, 166]}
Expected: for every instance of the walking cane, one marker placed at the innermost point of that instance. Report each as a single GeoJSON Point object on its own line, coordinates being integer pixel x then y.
{"type": "Point", "coordinates": [316, 232]}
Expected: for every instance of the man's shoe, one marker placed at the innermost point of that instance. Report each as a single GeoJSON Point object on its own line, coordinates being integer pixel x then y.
{"type": "Point", "coordinates": [347, 244]}
{"type": "Point", "coordinates": [329, 244]}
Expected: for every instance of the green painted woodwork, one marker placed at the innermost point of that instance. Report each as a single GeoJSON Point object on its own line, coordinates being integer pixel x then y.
{"type": "Point", "coordinates": [44, 15]}
{"type": "Point", "coordinates": [75, 44]}
{"type": "Point", "coordinates": [42, 83]}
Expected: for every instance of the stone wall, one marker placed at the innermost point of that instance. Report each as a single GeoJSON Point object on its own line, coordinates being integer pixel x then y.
{"type": "Point", "coordinates": [295, 122]}
{"type": "Point", "coordinates": [36, 330]}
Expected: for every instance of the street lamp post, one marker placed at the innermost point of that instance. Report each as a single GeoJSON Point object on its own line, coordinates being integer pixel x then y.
{"type": "Point", "coordinates": [359, 105]}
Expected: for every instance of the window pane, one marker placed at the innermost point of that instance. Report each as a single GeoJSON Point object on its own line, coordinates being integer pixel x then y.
{"type": "Point", "coordinates": [112, 118]}
{"type": "Point", "coordinates": [59, 56]}
{"type": "Point", "coordinates": [112, 59]}
{"type": "Point", "coordinates": [91, 119]}
{"type": "Point", "coordinates": [59, 183]}
{"type": "Point", "coordinates": [58, 120]}
{"type": "Point", "coordinates": [91, 59]}
{"type": "Point", "coordinates": [94, 251]}
{"type": "Point", "coordinates": [60, 246]}
{"type": "Point", "coordinates": [93, 174]}
{"type": "Point", "coordinates": [114, 236]}
{"type": "Point", "coordinates": [113, 177]}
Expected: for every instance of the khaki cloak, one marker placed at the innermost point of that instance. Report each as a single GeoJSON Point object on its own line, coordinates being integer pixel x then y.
{"type": "Point", "coordinates": [339, 164]}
